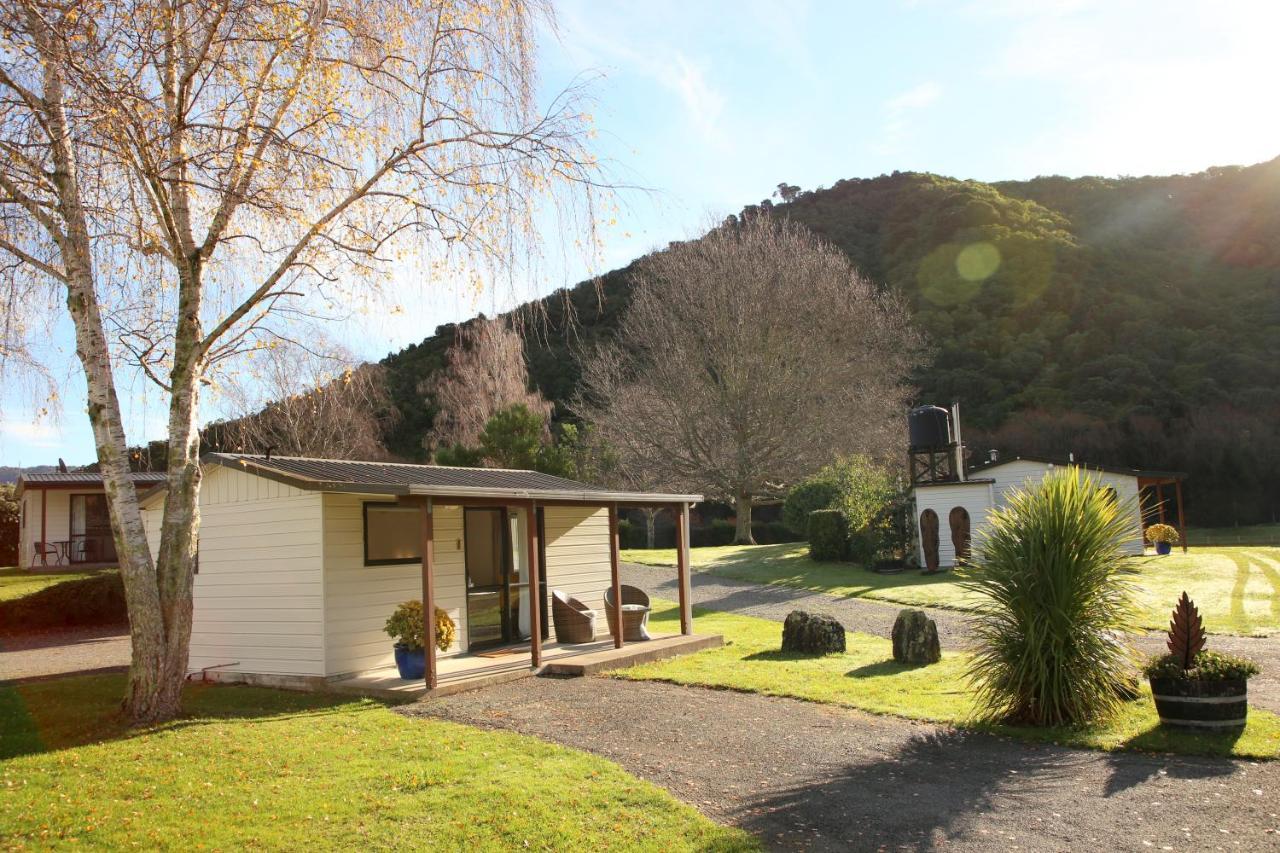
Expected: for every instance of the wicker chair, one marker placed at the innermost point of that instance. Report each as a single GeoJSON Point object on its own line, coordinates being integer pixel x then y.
{"type": "Point", "coordinates": [635, 613]}
{"type": "Point", "coordinates": [574, 621]}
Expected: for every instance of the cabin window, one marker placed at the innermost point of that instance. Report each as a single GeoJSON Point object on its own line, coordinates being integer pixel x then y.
{"type": "Point", "coordinates": [391, 534]}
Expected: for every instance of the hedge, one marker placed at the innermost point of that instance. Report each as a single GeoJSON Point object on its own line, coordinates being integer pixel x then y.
{"type": "Point", "coordinates": [92, 601]}
{"type": "Point", "coordinates": [828, 534]}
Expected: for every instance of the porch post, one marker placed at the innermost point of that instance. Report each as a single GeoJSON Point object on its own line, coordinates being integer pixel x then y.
{"type": "Point", "coordinates": [1160, 500]}
{"type": "Point", "coordinates": [616, 580]}
{"type": "Point", "coordinates": [1182, 522]}
{"type": "Point", "coordinates": [682, 567]}
{"type": "Point", "coordinates": [428, 590]}
{"type": "Point", "coordinates": [535, 585]}
{"type": "Point", "coordinates": [44, 532]}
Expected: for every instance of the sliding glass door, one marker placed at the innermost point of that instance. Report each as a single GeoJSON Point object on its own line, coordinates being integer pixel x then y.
{"type": "Point", "coordinates": [487, 557]}
{"type": "Point", "coordinates": [498, 589]}
{"type": "Point", "coordinates": [90, 540]}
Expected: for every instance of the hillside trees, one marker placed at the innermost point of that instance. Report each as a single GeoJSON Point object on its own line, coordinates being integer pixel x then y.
{"type": "Point", "coordinates": [746, 360]}
{"type": "Point", "coordinates": [485, 374]}
{"type": "Point", "coordinates": [188, 178]}
{"type": "Point", "coordinates": [307, 402]}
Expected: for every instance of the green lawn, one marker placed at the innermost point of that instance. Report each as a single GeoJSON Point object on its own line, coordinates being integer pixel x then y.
{"type": "Point", "coordinates": [1236, 589]}
{"type": "Point", "coordinates": [867, 678]}
{"type": "Point", "coordinates": [258, 768]}
{"type": "Point", "coordinates": [1253, 534]}
{"type": "Point", "coordinates": [19, 583]}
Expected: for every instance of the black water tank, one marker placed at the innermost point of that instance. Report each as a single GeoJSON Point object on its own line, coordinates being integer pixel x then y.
{"type": "Point", "coordinates": [929, 427]}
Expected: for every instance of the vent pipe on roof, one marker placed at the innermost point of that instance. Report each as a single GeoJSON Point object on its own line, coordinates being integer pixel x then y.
{"type": "Point", "coordinates": [994, 454]}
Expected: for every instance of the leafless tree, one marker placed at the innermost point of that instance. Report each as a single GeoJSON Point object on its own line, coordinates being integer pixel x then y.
{"type": "Point", "coordinates": [748, 359]}
{"type": "Point", "coordinates": [187, 176]}
{"type": "Point", "coordinates": [485, 371]}
{"type": "Point", "coordinates": [307, 402]}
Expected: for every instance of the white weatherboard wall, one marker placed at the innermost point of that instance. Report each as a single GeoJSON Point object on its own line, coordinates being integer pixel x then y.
{"type": "Point", "coordinates": [974, 497]}
{"type": "Point", "coordinates": [359, 598]}
{"type": "Point", "coordinates": [578, 553]}
{"type": "Point", "coordinates": [57, 520]}
{"type": "Point", "coordinates": [1023, 473]}
{"type": "Point", "coordinates": [259, 592]}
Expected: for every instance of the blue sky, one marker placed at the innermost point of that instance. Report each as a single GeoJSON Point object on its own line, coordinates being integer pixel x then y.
{"type": "Point", "coordinates": [709, 105]}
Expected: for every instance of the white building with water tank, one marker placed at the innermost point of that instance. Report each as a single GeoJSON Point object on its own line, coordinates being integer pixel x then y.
{"type": "Point", "coordinates": [954, 498]}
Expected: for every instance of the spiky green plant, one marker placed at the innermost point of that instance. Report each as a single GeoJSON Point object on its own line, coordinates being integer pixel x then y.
{"type": "Point", "coordinates": [1055, 603]}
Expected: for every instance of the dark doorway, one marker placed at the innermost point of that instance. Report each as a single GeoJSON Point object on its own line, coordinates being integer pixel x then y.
{"type": "Point", "coordinates": [90, 539]}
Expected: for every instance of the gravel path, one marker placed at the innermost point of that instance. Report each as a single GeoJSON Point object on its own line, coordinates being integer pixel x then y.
{"type": "Point", "coordinates": [875, 617]}
{"type": "Point", "coordinates": [804, 775]}
{"type": "Point", "coordinates": [63, 652]}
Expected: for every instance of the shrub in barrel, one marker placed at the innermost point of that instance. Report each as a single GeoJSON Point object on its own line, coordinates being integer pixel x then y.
{"type": "Point", "coordinates": [1194, 688]}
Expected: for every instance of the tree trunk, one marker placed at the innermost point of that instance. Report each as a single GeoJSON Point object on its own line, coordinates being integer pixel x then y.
{"type": "Point", "coordinates": [650, 531]}
{"type": "Point", "coordinates": [742, 534]}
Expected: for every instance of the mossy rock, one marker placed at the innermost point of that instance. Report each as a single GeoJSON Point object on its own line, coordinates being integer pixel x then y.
{"type": "Point", "coordinates": [812, 633]}
{"type": "Point", "coordinates": [915, 638]}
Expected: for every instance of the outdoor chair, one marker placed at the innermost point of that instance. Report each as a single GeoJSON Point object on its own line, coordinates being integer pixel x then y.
{"type": "Point", "coordinates": [45, 550]}
{"type": "Point", "coordinates": [635, 613]}
{"type": "Point", "coordinates": [574, 621]}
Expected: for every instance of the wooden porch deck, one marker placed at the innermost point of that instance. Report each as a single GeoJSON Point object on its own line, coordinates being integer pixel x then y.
{"type": "Point", "coordinates": [470, 671]}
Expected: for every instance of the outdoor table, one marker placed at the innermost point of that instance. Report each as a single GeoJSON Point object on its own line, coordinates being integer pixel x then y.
{"type": "Point", "coordinates": [64, 551]}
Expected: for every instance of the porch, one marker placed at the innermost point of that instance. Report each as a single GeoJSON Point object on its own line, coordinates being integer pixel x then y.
{"type": "Point", "coordinates": [478, 669]}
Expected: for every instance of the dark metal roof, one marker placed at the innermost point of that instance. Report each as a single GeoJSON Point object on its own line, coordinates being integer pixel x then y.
{"type": "Point", "coordinates": [405, 479]}
{"type": "Point", "coordinates": [1110, 469]}
{"type": "Point", "coordinates": [81, 478]}
{"type": "Point", "coordinates": [972, 481]}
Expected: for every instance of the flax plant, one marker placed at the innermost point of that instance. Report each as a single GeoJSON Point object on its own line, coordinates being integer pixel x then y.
{"type": "Point", "coordinates": [1056, 604]}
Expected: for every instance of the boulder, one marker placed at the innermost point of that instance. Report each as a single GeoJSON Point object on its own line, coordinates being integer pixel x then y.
{"type": "Point", "coordinates": [915, 638]}
{"type": "Point", "coordinates": [812, 633]}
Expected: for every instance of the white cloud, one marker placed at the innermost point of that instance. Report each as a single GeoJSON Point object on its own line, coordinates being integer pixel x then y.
{"type": "Point", "coordinates": [31, 433]}
{"type": "Point", "coordinates": [901, 111]}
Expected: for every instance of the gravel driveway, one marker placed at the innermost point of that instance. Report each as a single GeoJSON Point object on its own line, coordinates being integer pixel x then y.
{"type": "Point", "coordinates": [799, 774]}
{"type": "Point", "coordinates": [875, 617]}
{"type": "Point", "coordinates": [63, 652]}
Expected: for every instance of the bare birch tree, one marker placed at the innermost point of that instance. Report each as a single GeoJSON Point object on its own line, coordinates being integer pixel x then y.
{"type": "Point", "coordinates": [485, 372]}
{"type": "Point", "coordinates": [185, 174]}
{"type": "Point", "coordinates": [747, 360]}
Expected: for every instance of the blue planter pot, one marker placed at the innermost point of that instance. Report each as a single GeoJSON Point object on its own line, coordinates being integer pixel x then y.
{"type": "Point", "coordinates": [412, 663]}
{"type": "Point", "coordinates": [1163, 548]}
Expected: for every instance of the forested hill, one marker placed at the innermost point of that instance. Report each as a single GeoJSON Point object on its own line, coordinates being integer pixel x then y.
{"type": "Point", "coordinates": [1132, 321]}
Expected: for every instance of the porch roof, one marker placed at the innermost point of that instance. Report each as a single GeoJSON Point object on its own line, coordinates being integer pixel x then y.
{"type": "Point", "coordinates": [79, 479]}
{"type": "Point", "coordinates": [398, 478]}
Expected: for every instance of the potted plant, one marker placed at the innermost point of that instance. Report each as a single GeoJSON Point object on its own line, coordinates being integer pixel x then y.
{"type": "Point", "coordinates": [1195, 688]}
{"type": "Point", "coordinates": [406, 628]}
{"type": "Point", "coordinates": [1163, 537]}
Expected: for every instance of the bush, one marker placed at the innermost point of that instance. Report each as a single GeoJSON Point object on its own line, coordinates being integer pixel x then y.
{"type": "Point", "coordinates": [406, 626]}
{"type": "Point", "coordinates": [1209, 666]}
{"type": "Point", "coordinates": [828, 534]}
{"type": "Point", "coordinates": [1050, 576]}
{"type": "Point", "coordinates": [813, 494]}
{"type": "Point", "coordinates": [97, 600]}
{"type": "Point", "coordinates": [862, 547]}
{"type": "Point", "coordinates": [8, 526]}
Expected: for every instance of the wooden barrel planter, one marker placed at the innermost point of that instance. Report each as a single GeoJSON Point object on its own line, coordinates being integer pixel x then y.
{"type": "Point", "coordinates": [1212, 705]}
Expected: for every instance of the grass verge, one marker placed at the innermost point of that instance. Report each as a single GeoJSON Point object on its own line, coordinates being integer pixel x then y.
{"type": "Point", "coordinates": [867, 678]}
{"type": "Point", "coordinates": [1236, 589]}
{"type": "Point", "coordinates": [253, 767]}
{"type": "Point", "coordinates": [18, 583]}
